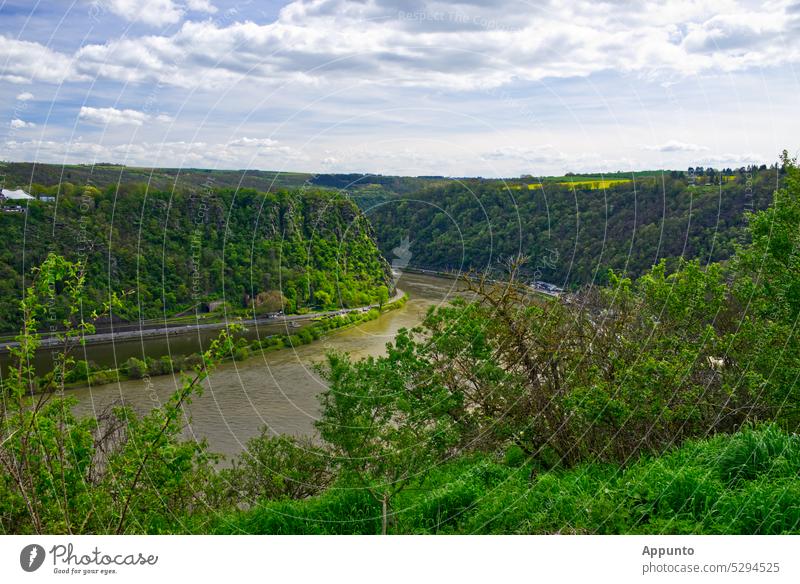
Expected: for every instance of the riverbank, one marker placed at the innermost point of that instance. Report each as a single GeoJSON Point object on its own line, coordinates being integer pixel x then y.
{"type": "Point", "coordinates": [85, 375]}
{"type": "Point", "coordinates": [177, 326]}
{"type": "Point", "coordinates": [277, 387]}
{"type": "Point", "coordinates": [544, 289]}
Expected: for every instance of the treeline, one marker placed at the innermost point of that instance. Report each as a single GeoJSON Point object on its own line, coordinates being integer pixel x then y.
{"type": "Point", "coordinates": [177, 251]}
{"type": "Point", "coordinates": [51, 179]}
{"type": "Point", "coordinates": [574, 232]}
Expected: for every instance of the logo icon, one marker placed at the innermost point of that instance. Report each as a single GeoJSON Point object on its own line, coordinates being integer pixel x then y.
{"type": "Point", "coordinates": [31, 557]}
{"type": "Point", "coordinates": [402, 257]}
{"type": "Point", "coordinates": [402, 254]}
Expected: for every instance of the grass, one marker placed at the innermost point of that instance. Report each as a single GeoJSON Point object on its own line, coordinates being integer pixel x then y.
{"type": "Point", "coordinates": [745, 483]}
{"type": "Point", "coordinates": [587, 185]}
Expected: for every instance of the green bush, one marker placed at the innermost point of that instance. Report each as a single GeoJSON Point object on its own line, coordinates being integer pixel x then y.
{"type": "Point", "coordinates": [103, 377]}
{"type": "Point", "coordinates": [684, 491]}
{"type": "Point", "coordinates": [156, 366]}
{"type": "Point", "coordinates": [276, 467]}
{"type": "Point", "coordinates": [761, 507]}
{"type": "Point", "coordinates": [515, 456]}
{"type": "Point", "coordinates": [80, 373]}
{"type": "Point", "coordinates": [337, 511]}
{"type": "Point", "coordinates": [241, 353]}
{"type": "Point", "coordinates": [134, 368]}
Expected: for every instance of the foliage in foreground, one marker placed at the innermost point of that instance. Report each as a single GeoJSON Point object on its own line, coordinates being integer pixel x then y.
{"type": "Point", "coordinates": [611, 372]}
{"type": "Point", "coordinates": [745, 483]}
{"type": "Point", "coordinates": [116, 473]}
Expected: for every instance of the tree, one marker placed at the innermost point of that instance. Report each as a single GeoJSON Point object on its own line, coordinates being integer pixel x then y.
{"type": "Point", "coordinates": [385, 421]}
{"type": "Point", "coordinates": [766, 281]}
{"type": "Point", "coordinates": [114, 473]}
{"type": "Point", "coordinates": [276, 467]}
{"type": "Point", "coordinates": [383, 296]}
{"type": "Point", "coordinates": [323, 298]}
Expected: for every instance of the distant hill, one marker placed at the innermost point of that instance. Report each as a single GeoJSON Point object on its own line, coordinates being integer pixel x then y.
{"type": "Point", "coordinates": [575, 227]}
{"type": "Point", "coordinates": [176, 250]}
{"type": "Point", "coordinates": [48, 177]}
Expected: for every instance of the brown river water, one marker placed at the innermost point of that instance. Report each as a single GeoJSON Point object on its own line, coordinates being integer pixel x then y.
{"type": "Point", "coordinates": [276, 389]}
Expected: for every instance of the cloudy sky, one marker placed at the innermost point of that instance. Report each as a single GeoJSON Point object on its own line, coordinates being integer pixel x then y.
{"type": "Point", "coordinates": [478, 87]}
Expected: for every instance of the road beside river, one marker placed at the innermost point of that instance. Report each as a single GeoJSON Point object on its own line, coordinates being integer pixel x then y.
{"type": "Point", "coordinates": [277, 389]}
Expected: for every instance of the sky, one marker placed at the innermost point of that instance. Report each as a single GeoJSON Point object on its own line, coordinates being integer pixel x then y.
{"type": "Point", "coordinates": [472, 88]}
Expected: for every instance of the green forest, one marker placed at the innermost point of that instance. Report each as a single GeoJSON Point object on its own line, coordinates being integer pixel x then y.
{"type": "Point", "coordinates": [662, 403]}
{"type": "Point", "coordinates": [575, 228]}
{"type": "Point", "coordinates": [52, 179]}
{"type": "Point", "coordinates": [173, 251]}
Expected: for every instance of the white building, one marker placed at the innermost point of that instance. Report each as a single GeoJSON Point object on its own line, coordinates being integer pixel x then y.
{"type": "Point", "coordinates": [17, 195]}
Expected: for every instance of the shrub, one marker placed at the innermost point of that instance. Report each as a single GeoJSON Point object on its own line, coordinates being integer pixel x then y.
{"type": "Point", "coordinates": [134, 368]}
{"type": "Point", "coordinates": [240, 353]}
{"type": "Point", "coordinates": [80, 373]}
{"type": "Point", "coordinates": [336, 511]}
{"type": "Point", "coordinates": [761, 507]}
{"type": "Point", "coordinates": [156, 366]}
{"type": "Point", "coordinates": [103, 377]}
{"type": "Point", "coordinates": [167, 365]}
{"type": "Point", "coordinates": [192, 361]}
{"type": "Point", "coordinates": [515, 456]}
{"type": "Point", "coordinates": [275, 467]}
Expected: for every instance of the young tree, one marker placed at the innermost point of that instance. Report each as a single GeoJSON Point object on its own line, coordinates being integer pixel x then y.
{"type": "Point", "coordinates": [385, 420]}
{"type": "Point", "coordinates": [117, 473]}
{"type": "Point", "coordinates": [277, 467]}
{"type": "Point", "coordinates": [383, 296]}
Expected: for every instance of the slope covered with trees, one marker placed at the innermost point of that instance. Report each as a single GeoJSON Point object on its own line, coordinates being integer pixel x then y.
{"type": "Point", "coordinates": [51, 179]}
{"type": "Point", "coordinates": [575, 228]}
{"type": "Point", "coordinates": [175, 251]}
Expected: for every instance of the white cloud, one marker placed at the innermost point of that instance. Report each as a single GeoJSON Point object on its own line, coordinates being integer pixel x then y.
{"type": "Point", "coordinates": [676, 146]}
{"type": "Point", "coordinates": [244, 149]}
{"type": "Point", "coordinates": [735, 160]}
{"type": "Point", "coordinates": [18, 124]}
{"type": "Point", "coordinates": [156, 12]}
{"type": "Point", "coordinates": [53, 151]}
{"type": "Point", "coordinates": [453, 46]}
{"type": "Point", "coordinates": [737, 30]}
{"type": "Point", "coordinates": [110, 116]}
{"type": "Point", "coordinates": [253, 143]}
{"type": "Point", "coordinates": [152, 12]}
{"type": "Point", "coordinates": [25, 96]}
{"type": "Point", "coordinates": [201, 6]}
{"type": "Point", "coordinates": [545, 154]}
{"type": "Point", "coordinates": [26, 62]}
{"type": "Point", "coordinates": [239, 153]}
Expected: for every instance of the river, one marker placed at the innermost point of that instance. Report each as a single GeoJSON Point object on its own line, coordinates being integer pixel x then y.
{"type": "Point", "coordinates": [276, 389]}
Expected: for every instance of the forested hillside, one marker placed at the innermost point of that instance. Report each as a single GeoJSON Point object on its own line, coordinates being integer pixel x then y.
{"type": "Point", "coordinates": [574, 229]}
{"type": "Point", "coordinates": [175, 251]}
{"type": "Point", "coordinates": [46, 178]}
